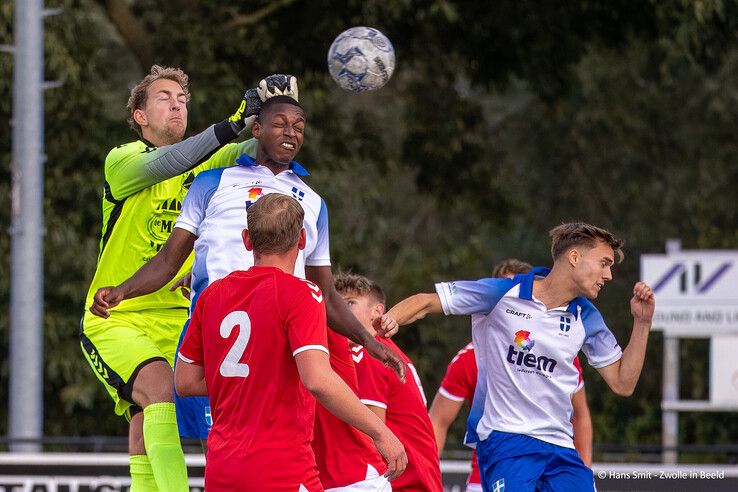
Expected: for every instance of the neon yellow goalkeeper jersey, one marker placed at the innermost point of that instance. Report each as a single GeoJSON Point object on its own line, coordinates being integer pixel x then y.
{"type": "Point", "coordinates": [138, 214]}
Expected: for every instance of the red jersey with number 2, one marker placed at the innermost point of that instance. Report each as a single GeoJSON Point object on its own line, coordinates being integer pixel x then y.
{"type": "Point", "coordinates": [245, 331]}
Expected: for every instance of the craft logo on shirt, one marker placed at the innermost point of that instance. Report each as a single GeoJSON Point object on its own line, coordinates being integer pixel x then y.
{"type": "Point", "coordinates": [254, 194]}
{"type": "Point", "coordinates": [518, 313]}
{"type": "Point", "coordinates": [520, 355]}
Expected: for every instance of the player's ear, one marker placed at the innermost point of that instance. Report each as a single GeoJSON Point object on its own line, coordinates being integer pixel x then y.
{"type": "Point", "coordinates": [247, 240]}
{"type": "Point", "coordinates": [302, 241]}
{"type": "Point", "coordinates": [139, 116]}
{"type": "Point", "coordinates": [256, 129]}
{"type": "Point", "coordinates": [573, 257]}
{"type": "Point", "coordinates": [378, 310]}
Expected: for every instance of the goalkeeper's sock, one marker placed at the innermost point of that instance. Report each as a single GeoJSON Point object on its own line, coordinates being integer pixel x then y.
{"type": "Point", "coordinates": [161, 438]}
{"type": "Point", "coordinates": [142, 477]}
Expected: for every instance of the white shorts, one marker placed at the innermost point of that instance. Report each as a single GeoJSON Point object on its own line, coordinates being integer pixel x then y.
{"type": "Point", "coordinates": [374, 482]}
{"type": "Point", "coordinates": [474, 487]}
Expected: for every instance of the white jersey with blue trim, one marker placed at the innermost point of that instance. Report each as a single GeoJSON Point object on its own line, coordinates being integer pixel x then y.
{"type": "Point", "coordinates": [525, 355]}
{"type": "Point", "coordinates": [214, 210]}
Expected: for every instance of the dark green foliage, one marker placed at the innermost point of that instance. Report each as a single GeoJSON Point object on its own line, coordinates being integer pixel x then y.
{"type": "Point", "coordinates": [502, 119]}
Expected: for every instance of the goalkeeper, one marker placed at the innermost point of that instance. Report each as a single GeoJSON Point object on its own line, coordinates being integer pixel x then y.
{"type": "Point", "coordinates": [132, 351]}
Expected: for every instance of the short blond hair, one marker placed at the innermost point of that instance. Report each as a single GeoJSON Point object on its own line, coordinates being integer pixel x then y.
{"type": "Point", "coordinates": [137, 99]}
{"type": "Point", "coordinates": [274, 224]}
{"type": "Point", "coordinates": [568, 235]}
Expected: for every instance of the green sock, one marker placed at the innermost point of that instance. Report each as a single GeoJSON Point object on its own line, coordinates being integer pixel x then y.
{"type": "Point", "coordinates": [142, 477]}
{"type": "Point", "coordinates": [161, 438]}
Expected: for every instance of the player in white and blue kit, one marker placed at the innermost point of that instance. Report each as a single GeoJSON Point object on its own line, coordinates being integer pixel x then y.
{"type": "Point", "coordinates": [527, 331]}
{"type": "Point", "coordinates": [212, 219]}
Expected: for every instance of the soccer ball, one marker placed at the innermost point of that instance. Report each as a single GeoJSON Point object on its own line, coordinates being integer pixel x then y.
{"type": "Point", "coordinates": [361, 59]}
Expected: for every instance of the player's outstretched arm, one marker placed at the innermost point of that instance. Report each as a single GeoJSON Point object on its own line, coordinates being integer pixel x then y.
{"type": "Point", "coordinates": [442, 413]}
{"type": "Point", "coordinates": [622, 376]}
{"type": "Point", "coordinates": [342, 320]}
{"type": "Point", "coordinates": [135, 172]}
{"type": "Point", "coordinates": [189, 379]}
{"type": "Point", "coordinates": [415, 307]}
{"type": "Point", "coordinates": [330, 390]}
{"type": "Point", "coordinates": [152, 276]}
{"type": "Point", "coordinates": [582, 422]}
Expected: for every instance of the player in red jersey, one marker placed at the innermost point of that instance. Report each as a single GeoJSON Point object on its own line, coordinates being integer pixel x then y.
{"type": "Point", "coordinates": [401, 406]}
{"type": "Point", "coordinates": [257, 345]}
{"type": "Point", "coordinates": [347, 460]}
{"type": "Point", "coordinates": [460, 381]}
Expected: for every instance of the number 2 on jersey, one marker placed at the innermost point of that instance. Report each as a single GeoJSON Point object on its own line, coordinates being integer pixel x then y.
{"type": "Point", "coordinates": [230, 366]}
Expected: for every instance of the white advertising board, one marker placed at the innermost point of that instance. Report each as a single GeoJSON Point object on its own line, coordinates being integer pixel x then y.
{"type": "Point", "coordinates": [696, 291]}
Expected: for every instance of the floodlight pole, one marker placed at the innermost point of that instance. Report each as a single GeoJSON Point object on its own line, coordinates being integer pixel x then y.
{"type": "Point", "coordinates": [25, 402]}
{"type": "Point", "coordinates": [670, 385]}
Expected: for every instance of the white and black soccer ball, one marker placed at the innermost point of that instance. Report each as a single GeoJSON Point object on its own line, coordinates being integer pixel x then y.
{"type": "Point", "coordinates": [361, 59]}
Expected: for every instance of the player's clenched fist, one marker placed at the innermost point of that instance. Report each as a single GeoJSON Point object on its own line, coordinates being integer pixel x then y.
{"type": "Point", "coordinates": [643, 303]}
{"type": "Point", "coordinates": [393, 453]}
{"type": "Point", "coordinates": [386, 326]}
{"type": "Point", "coordinates": [105, 298]}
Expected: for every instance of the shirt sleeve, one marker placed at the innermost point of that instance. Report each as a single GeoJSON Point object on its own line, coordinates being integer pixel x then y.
{"type": "Point", "coordinates": [226, 156]}
{"type": "Point", "coordinates": [132, 167]}
{"type": "Point", "coordinates": [461, 377]}
{"type": "Point", "coordinates": [321, 254]}
{"type": "Point", "coordinates": [191, 350]}
{"type": "Point", "coordinates": [305, 320]}
{"type": "Point", "coordinates": [600, 345]}
{"type": "Point", "coordinates": [196, 201]}
{"type": "Point", "coordinates": [472, 296]}
{"type": "Point", "coordinates": [374, 381]}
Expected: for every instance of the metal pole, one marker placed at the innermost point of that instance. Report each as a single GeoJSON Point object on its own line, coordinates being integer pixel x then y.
{"type": "Point", "coordinates": [25, 406]}
{"type": "Point", "coordinates": [670, 419]}
{"type": "Point", "coordinates": [670, 384]}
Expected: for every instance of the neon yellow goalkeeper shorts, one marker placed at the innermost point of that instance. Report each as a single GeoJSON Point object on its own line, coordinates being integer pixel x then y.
{"type": "Point", "coordinates": [119, 346]}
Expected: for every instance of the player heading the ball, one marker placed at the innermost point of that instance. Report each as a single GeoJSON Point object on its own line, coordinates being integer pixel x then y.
{"type": "Point", "coordinates": [257, 345]}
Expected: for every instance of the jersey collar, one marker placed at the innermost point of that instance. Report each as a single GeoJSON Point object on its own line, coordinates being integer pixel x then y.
{"type": "Point", "coordinates": [526, 289]}
{"type": "Point", "coordinates": [294, 167]}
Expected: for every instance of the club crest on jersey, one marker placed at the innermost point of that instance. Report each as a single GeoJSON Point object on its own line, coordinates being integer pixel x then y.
{"type": "Point", "coordinates": [520, 355]}
{"type": "Point", "coordinates": [253, 194]}
{"type": "Point", "coordinates": [564, 326]}
{"type": "Point", "coordinates": [297, 194]}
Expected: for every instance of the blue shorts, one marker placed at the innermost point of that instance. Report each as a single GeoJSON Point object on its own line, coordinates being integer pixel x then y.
{"type": "Point", "coordinates": [193, 412]}
{"type": "Point", "coordinates": [519, 463]}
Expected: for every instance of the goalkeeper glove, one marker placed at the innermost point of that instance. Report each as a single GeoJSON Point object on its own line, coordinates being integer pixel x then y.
{"type": "Point", "coordinates": [277, 84]}
{"type": "Point", "coordinates": [274, 85]}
